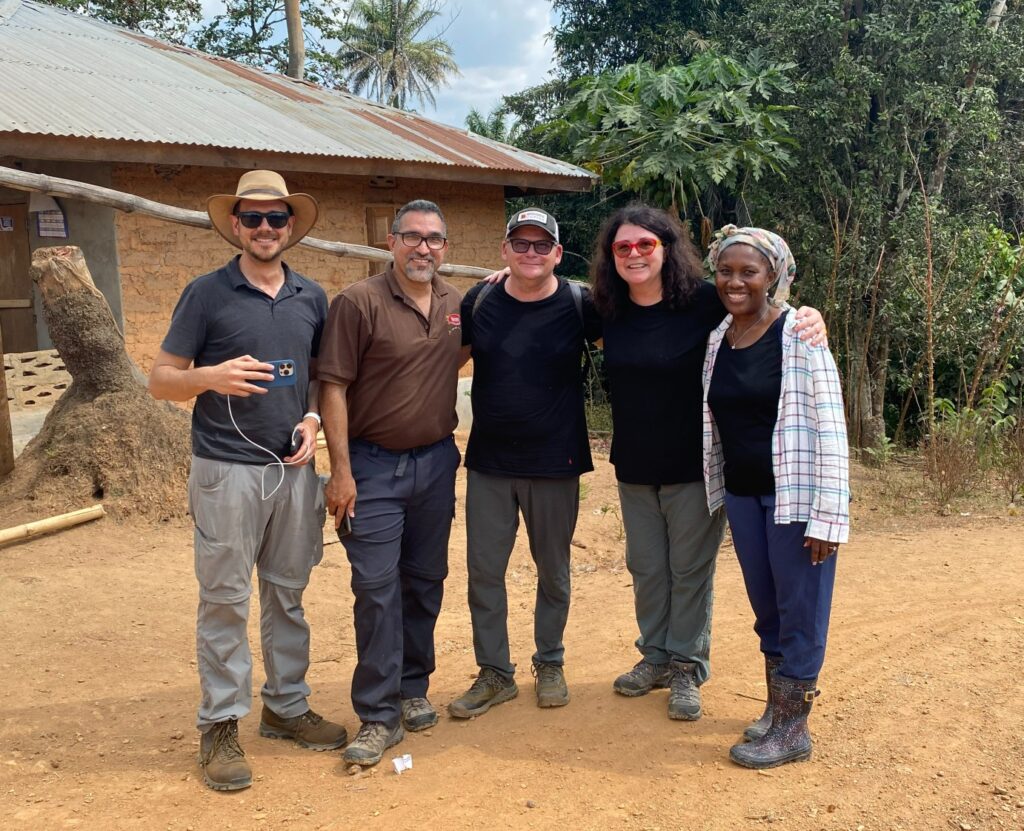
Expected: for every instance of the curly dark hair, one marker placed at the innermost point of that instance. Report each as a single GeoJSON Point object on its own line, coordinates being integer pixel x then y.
{"type": "Point", "coordinates": [681, 272]}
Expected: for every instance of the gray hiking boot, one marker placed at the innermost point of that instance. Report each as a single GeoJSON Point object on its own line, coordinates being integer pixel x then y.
{"type": "Point", "coordinates": [550, 685]}
{"type": "Point", "coordinates": [418, 714]}
{"type": "Point", "coordinates": [309, 730]}
{"type": "Point", "coordinates": [222, 759]}
{"type": "Point", "coordinates": [489, 688]}
{"type": "Point", "coordinates": [642, 678]}
{"type": "Point", "coordinates": [373, 738]}
{"type": "Point", "coordinates": [684, 695]}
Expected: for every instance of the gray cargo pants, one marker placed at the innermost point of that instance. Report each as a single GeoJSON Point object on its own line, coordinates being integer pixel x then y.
{"type": "Point", "coordinates": [283, 538]}
{"type": "Point", "coordinates": [671, 548]}
{"type": "Point", "coordinates": [550, 508]}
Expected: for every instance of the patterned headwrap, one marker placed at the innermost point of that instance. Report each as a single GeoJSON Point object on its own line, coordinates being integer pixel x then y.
{"type": "Point", "coordinates": [771, 245]}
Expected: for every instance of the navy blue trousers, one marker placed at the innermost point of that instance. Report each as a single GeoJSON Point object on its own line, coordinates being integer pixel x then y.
{"type": "Point", "coordinates": [791, 597]}
{"type": "Point", "coordinates": [398, 549]}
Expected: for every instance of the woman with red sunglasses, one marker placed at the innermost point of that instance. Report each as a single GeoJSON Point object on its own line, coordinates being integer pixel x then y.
{"type": "Point", "coordinates": [648, 285]}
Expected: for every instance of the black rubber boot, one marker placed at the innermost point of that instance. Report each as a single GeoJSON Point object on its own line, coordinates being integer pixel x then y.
{"type": "Point", "coordinates": [788, 739]}
{"type": "Point", "coordinates": [760, 727]}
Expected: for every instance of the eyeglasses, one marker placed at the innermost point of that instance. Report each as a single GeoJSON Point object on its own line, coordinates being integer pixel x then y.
{"type": "Point", "coordinates": [254, 219]}
{"type": "Point", "coordinates": [644, 247]}
{"type": "Point", "coordinates": [521, 246]}
{"type": "Point", "coordinates": [435, 242]}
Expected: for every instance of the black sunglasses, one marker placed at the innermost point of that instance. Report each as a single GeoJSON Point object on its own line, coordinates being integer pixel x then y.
{"type": "Point", "coordinates": [521, 246]}
{"type": "Point", "coordinates": [253, 219]}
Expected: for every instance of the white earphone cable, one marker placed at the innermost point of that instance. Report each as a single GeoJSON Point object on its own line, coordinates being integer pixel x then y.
{"type": "Point", "coordinates": [278, 462]}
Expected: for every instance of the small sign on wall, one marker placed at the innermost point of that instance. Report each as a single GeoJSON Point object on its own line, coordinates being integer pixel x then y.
{"type": "Point", "coordinates": [51, 224]}
{"type": "Point", "coordinates": [6, 223]}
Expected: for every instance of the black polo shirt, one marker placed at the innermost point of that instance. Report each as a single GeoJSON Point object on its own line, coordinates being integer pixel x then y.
{"type": "Point", "coordinates": [220, 316]}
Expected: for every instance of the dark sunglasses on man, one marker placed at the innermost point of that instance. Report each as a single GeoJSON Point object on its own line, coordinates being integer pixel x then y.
{"type": "Point", "coordinates": [521, 246]}
{"type": "Point", "coordinates": [253, 219]}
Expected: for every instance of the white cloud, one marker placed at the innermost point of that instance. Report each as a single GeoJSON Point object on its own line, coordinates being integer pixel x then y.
{"type": "Point", "coordinates": [501, 48]}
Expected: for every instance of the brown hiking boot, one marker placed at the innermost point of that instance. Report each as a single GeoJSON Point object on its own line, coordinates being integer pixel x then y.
{"type": "Point", "coordinates": [308, 730]}
{"type": "Point", "coordinates": [418, 714]}
{"type": "Point", "coordinates": [222, 759]}
{"type": "Point", "coordinates": [489, 688]}
{"type": "Point", "coordinates": [552, 690]}
{"type": "Point", "coordinates": [373, 738]}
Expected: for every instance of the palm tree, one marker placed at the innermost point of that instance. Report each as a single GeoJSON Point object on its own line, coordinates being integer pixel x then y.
{"type": "Point", "coordinates": [495, 125]}
{"type": "Point", "coordinates": [383, 57]}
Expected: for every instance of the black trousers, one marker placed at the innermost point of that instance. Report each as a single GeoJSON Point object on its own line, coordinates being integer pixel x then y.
{"type": "Point", "coordinates": [398, 549]}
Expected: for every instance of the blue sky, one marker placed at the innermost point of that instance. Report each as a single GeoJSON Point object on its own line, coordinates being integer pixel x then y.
{"type": "Point", "coordinates": [500, 47]}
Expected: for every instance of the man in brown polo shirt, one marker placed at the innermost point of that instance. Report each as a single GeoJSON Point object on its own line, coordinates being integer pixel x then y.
{"type": "Point", "coordinates": [388, 368]}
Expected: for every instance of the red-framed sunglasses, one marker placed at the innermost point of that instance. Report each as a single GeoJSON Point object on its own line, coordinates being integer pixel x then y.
{"type": "Point", "coordinates": [644, 247]}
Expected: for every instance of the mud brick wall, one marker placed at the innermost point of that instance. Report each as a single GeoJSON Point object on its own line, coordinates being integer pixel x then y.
{"type": "Point", "coordinates": [158, 258]}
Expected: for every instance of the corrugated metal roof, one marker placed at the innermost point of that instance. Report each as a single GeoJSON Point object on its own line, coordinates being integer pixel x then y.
{"type": "Point", "coordinates": [72, 76]}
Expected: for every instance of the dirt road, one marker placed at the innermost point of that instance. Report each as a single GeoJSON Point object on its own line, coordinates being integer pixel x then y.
{"type": "Point", "coordinates": [919, 725]}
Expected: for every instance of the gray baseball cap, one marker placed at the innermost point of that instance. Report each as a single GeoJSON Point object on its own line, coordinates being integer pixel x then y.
{"type": "Point", "coordinates": [535, 217]}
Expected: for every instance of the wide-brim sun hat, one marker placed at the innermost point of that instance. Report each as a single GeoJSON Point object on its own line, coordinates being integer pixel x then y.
{"type": "Point", "coordinates": [262, 186]}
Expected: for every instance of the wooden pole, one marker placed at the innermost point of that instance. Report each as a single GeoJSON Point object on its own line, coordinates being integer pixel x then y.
{"type": "Point", "coordinates": [54, 523]}
{"type": "Point", "coordinates": [70, 189]}
{"type": "Point", "coordinates": [6, 430]}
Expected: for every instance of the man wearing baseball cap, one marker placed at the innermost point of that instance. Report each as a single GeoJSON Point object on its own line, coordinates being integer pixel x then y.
{"type": "Point", "coordinates": [527, 448]}
{"type": "Point", "coordinates": [255, 499]}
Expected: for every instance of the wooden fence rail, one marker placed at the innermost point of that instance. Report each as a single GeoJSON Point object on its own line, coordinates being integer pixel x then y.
{"type": "Point", "coordinates": [129, 203]}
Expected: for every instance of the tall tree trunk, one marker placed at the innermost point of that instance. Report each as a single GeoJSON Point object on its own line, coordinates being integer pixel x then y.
{"type": "Point", "coordinates": [296, 40]}
{"type": "Point", "coordinates": [867, 394]}
{"type": "Point", "coordinates": [106, 437]}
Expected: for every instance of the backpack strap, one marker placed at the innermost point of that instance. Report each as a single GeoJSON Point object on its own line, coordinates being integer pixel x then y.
{"type": "Point", "coordinates": [577, 297]}
{"type": "Point", "coordinates": [480, 297]}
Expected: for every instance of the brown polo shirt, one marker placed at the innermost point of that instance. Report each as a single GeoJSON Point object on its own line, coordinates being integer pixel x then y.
{"type": "Point", "coordinates": [401, 369]}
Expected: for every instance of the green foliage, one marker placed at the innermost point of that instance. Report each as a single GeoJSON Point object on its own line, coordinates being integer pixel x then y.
{"type": "Point", "coordinates": [252, 32]}
{"type": "Point", "coordinates": [498, 125]}
{"type": "Point", "coordinates": [671, 133]}
{"type": "Point", "coordinates": [385, 56]}
{"type": "Point", "coordinates": [165, 19]}
{"type": "Point", "coordinates": [594, 36]}
{"type": "Point", "coordinates": [898, 103]}
{"type": "Point", "coordinates": [968, 443]}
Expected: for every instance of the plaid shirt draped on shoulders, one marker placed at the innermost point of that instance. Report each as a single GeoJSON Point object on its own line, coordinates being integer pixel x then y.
{"type": "Point", "coordinates": [810, 453]}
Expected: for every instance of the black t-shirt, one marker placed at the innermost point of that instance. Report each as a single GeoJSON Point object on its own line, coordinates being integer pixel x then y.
{"type": "Point", "coordinates": [220, 316]}
{"type": "Point", "coordinates": [527, 395]}
{"type": "Point", "coordinates": [654, 359]}
{"type": "Point", "coordinates": [744, 399]}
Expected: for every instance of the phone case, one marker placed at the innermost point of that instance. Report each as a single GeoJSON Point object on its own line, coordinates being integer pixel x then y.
{"type": "Point", "coordinates": [284, 374]}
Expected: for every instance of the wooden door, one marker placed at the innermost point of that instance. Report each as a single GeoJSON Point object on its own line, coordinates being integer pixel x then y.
{"type": "Point", "coordinates": [17, 318]}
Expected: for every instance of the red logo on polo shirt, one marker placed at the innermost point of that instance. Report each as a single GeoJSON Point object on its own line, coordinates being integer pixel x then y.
{"type": "Point", "coordinates": [454, 322]}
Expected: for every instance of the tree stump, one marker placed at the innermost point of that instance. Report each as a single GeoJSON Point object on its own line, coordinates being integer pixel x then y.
{"type": "Point", "coordinates": [106, 437]}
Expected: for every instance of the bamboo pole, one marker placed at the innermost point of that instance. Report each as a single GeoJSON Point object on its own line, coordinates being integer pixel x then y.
{"type": "Point", "coordinates": [6, 429]}
{"type": "Point", "coordinates": [129, 203]}
{"type": "Point", "coordinates": [54, 523]}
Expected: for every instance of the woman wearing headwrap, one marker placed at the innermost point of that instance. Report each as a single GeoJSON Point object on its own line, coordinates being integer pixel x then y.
{"type": "Point", "coordinates": [658, 312]}
{"type": "Point", "coordinates": [775, 453]}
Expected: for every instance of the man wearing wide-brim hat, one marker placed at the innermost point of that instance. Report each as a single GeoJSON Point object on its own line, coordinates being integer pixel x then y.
{"type": "Point", "coordinates": [253, 494]}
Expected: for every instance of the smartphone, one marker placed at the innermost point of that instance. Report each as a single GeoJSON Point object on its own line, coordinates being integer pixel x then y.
{"type": "Point", "coordinates": [284, 374]}
{"type": "Point", "coordinates": [346, 523]}
{"type": "Point", "coordinates": [346, 526]}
